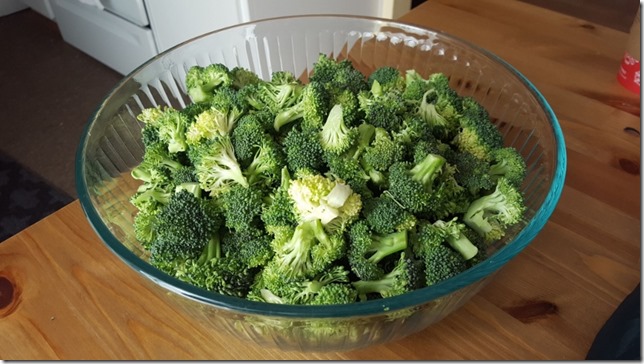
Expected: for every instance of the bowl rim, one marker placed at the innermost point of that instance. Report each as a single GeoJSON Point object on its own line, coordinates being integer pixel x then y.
{"type": "Point", "coordinates": [368, 308]}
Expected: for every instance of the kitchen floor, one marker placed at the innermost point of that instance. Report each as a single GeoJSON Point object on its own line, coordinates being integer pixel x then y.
{"type": "Point", "coordinates": [49, 89]}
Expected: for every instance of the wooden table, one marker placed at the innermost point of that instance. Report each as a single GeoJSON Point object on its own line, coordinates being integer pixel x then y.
{"type": "Point", "coordinates": [63, 295]}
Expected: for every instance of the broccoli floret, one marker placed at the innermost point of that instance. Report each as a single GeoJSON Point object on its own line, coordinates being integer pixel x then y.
{"type": "Point", "coordinates": [266, 166]}
{"type": "Point", "coordinates": [492, 214]}
{"type": "Point", "coordinates": [208, 125]}
{"type": "Point", "coordinates": [279, 211]}
{"type": "Point", "coordinates": [384, 215]}
{"type": "Point", "coordinates": [156, 168]}
{"type": "Point", "coordinates": [401, 279]}
{"type": "Point", "coordinates": [414, 129]}
{"type": "Point", "coordinates": [336, 137]}
{"type": "Point", "coordinates": [202, 81]}
{"type": "Point", "coordinates": [367, 249]}
{"type": "Point", "coordinates": [251, 246]}
{"type": "Point", "coordinates": [415, 87]}
{"type": "Point", "coordinates": [337, 75]}
{"type": "Point", "coordinates": [247, 136]}
{"type": "Point", "coordinates": [143, 225]}
{"type": "Point", "coordinates": [308, 251]}
{"type": "Point", "coordinates": [214, 272]}
{"type": "Point", "coordinates": [508, 163]}
{"type": "Point", "coordinates": [472, 173]}
{"type": "Point", "coordinates": [382, 152]}
{"type": "Point", "coordinates": [477, 134]}
{"type": "Point", "coordinates": [428, 187]}
{"type": "Point", "coordinates": [219, 119]}
{"type": "Point", "coordinates": [242, 207]}
{"type": "Point", "coordinates": [435, 101]}
{"type": "Point", "coordinates": [183, 227]}
{"type": "Point", "coordinates": [428, 235]}
{"type": "Point", "coordinates": [216, 166]}
{"type": "Point", "coordinates": [282, 92]}
{"type": "Point", "coordinates": [171, 127]}
{"type": "Point", "coordinates": [312, 107]}
{"type": "Point", "coordinates": [351, 113]}
{"type": "Point", "coordinates": [331, 202]}
{"type": "Point", "coordinates": [329, 287]}
{"type": "Point", "coordinates": [442, 263]}
{"type": "Point", "coordinates": [412, 184]}
{"type": "Point", "coordinates": [389, 79]}
{"type": "Point", "coordinates": [382, 109]}
{"type": "Point", "coordinates": [242, 77]}
{"type": "Point", "coordinates": [303, 150]}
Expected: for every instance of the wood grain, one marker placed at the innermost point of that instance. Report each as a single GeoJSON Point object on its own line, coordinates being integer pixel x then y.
{"type": "Point", "coordinates": [64, 295]}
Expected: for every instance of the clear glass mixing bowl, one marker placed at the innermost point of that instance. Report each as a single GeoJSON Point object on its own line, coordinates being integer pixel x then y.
{"type": "Point", "coordinates": [111, 146]}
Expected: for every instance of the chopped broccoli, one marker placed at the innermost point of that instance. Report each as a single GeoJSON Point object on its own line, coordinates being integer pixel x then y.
{"type": "Point", "coordinates": [367, 249]}
{"type": "Point", "coordinates": [316, 197]}
{"type": "Point", "coordinates": [383, 151]}
{"type": "Point", "coordinates": [385, 215]}
{"type": "Point", "coordinates": [492, 214]}
{"type": "Point", "coordinates": [336, 137]}
{"type": "Point", "coordinates": [471, 172]}
{"type": "Point", "coordinates": [342, 189]}
{"type": "Point", "coordinates": [329, 287]}
{"type": "Point", "coordinates": [251, 246]}
{"type": "Point", "coordinates": [308, 250]}
{"type": "Point", "coordinates": [183, 227]}
{"type": "Point", "coordinates": [202, 81]}
{"type": "Point", "coordinates": [242, 207]}
{"type": "Point", "coordinates": [429, 235]}
{"type": "Point", "coordinates": [382, 109]}
{"type": "Point", "coordinates": [265, 168]}
{"type": "Point", "coordinates": [247, 136]}
{"type": "Point", "coordinates": [216, 166]}
{"type": "Point", "coordinates": [242, 77]}
{"type": "Point", "coordinates": [312, 107]}
{"type": "Point", "coordinates": [508, 163]}
{"type": "Point", "coordinates": [337, 75]}
{"type": "Point", "coordinates": [412, 184]}
{"type": "Point", "coordinates": [477, 134]}
{"type": "Point", "coordinates": [303, 150]}
{"type": "Point", "coordinates": [442, 263]}
{"type": "Point", "coordinates": [401, 279]}
{"type": "Point", "coordinates": [279, 211]}
{"type": "Point", "coordinates": [389, 79]}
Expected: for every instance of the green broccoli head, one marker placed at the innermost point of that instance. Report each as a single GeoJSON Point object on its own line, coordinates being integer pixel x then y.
{"type": "Point", "coordinates": [202, 81]}
{"type": "Point", "coordinates": [216, 166]}
{"type": "Point", "coordinates": [183, 227]}
{"type": "Point", "coordinates": [477, 135]}
{"type": "Point", "coordinates": [508, 163]}
{"type": "Point", "coordinates": [491, 214]}
{"type": "Point", "coordinates": [336, 137]}
{"type": "Point", "coordinates": [389, 79]}
{"type": "Point", "coordinates": [303, 150]}
{"type": "Point", "coordinates": [367, 249]}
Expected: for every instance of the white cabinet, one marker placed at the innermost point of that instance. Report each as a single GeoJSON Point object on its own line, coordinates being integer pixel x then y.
{"type": "Point", "coordinates": [173, 21]}
{"type": "Point", "coordinates": [41, 6]}
{"type": "Point", "coordinates": [123, 34]}
{"type": "Point", "coordinates": [106, 36]}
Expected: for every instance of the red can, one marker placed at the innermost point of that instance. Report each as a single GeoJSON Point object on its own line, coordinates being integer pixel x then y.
{"type": "Point", "coordinates": [629, 71]}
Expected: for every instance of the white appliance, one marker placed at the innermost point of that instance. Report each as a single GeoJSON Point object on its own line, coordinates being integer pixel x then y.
{"type": "Point", "coordinates": [123, 34]}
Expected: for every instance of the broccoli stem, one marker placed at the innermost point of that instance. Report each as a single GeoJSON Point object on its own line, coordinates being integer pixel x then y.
{"type": "Point", "coordinates": [463, 245]}
{"type": "Point", "coordinates": [428, 169]}
{"type": "Point", "coordinates": [383, 246]}
{"type": "Point", "coordinates": [211, 251]}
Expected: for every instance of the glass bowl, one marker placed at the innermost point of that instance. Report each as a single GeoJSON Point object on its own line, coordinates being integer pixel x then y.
{"type": "Point", "coordinates": [111, 146]}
